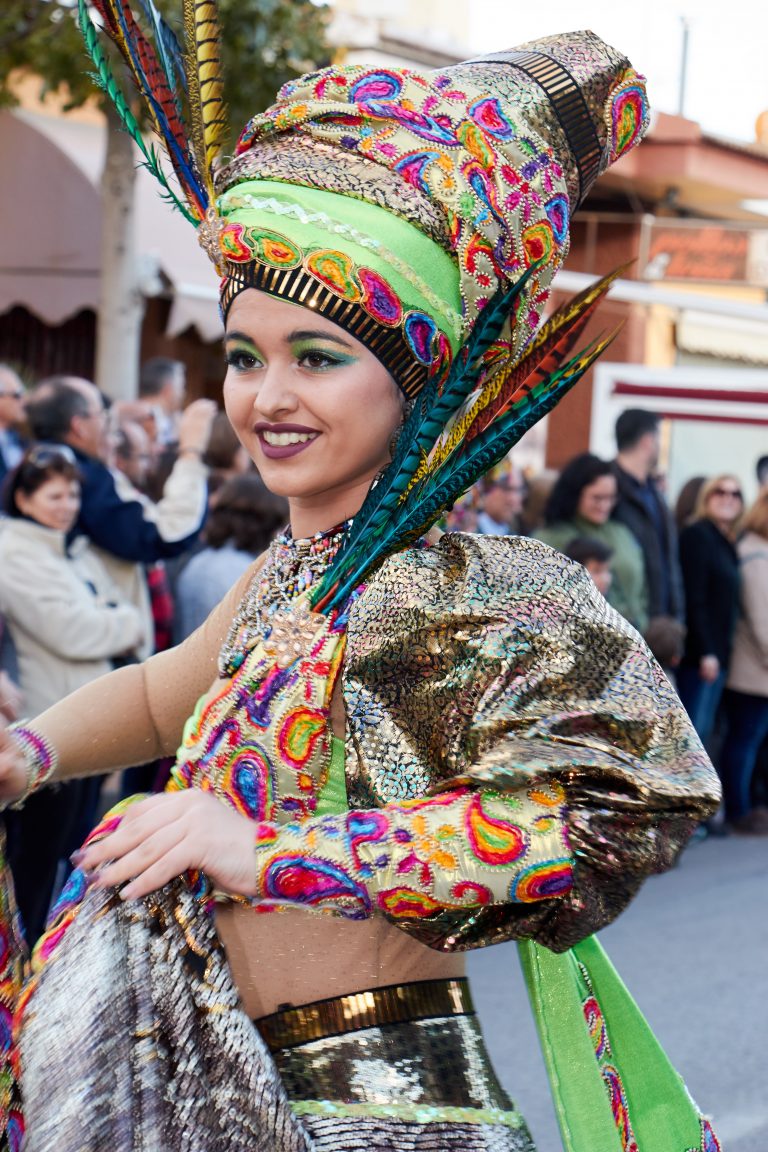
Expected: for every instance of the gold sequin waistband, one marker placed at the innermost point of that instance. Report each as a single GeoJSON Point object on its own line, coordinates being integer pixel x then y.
{"type": "Point", "coordinates": [393, 1004]}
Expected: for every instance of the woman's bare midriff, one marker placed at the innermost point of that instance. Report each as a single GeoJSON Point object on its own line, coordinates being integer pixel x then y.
{"type": "Point", "coordinates": [295, 957]}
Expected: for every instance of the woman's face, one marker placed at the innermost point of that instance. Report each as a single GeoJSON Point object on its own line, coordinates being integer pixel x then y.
{"type": "Point", "coordinates": [597, 500]}
{"type": "Point", "coordinates": [312, 406]}
{"type": "Point", "coordinates": [55, 504]}
{"type": "Point", "coordinates": [725, 502]}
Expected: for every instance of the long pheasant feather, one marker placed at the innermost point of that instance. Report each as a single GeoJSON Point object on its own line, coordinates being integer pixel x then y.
{"type": "Point", "coordinates": [421, 511]}
{"type": "Point", "coordinates": [546, 352]}
{"type": "Point", "coordinates": [106, 80]}
{"type": "Point", "coordinates": [155, 86]}
{"type": "Point", "coordinates": [206, 93]}
{"type": "Point", "coordinates": [168, 47]}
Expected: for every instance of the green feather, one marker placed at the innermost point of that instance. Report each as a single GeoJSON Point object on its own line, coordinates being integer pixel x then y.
{"type": "Point", "coordinates": [437, 403]}
{"type": "Point", "coordinates": [425, 503]}
{"type": "Point", "coordinates": [105, 79]}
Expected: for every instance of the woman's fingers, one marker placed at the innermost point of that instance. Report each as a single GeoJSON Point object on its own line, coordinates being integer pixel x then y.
{"type": "Point", "coordinates": [170, 865]}
{"type": "Point", "coordinates": [160, 838]}
{"type": "Point", "coordinates": [137, 824]}
{"type": "Point", "coordinates": [125, 865]}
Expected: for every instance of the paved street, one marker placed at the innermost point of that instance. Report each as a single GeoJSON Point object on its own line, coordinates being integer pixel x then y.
{"type": "Point", "coordinates": [693, 950]}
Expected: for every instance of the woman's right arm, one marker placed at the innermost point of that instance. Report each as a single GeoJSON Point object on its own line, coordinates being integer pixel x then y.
{"type": "Point", "coordinates": [133, 715]}
{"type": "Point", "coordinates": [754, 599]}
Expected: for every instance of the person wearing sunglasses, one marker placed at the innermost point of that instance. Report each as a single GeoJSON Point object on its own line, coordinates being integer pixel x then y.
{"type": "Point", "coordinates": [11, 417]}
{"type": "Point", "coordinates": [67, 624]}
{"type": "Point", "coordinates": [710, 565]}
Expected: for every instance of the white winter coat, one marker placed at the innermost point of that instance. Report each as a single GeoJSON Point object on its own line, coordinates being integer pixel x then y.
{"type": "Point", "coordinates": [64, 615]}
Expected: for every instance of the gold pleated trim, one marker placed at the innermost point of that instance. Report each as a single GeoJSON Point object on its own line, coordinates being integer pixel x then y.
{"type": "Point", "coordinates": [298, 286]}
{"type": "Point", "coordinates": [393, 1004]}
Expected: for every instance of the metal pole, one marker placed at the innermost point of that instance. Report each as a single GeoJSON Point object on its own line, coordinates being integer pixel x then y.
{"type": "Point", "coordinates": [683, 66]}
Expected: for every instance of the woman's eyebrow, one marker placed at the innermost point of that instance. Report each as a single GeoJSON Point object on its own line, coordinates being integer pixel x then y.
{"type": "Point", "coordinates": [316, 334]}
{"type": "Point", "coordinates": [239, 336]}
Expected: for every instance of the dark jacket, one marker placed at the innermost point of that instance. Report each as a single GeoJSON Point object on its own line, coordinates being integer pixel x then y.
{"type": "Point", "coordinates": [13, 436]}
{"type": "Point", "coordinates": [662, 563]}
{"type": "Point", "coordinates": [116, 525]}
{"type": "Point", "coordinates": [711, 577]}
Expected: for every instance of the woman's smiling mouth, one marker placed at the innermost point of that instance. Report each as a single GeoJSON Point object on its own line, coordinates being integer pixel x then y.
{"type": "Point", "coordinates": [280, 440]}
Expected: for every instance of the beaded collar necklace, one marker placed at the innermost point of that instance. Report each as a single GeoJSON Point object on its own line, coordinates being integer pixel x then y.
{"type": "Point", "coordinates": [291, 567]}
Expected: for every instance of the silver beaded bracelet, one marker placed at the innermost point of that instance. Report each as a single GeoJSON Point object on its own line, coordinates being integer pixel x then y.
{"type": "Point", "coordinates": [40, 759]}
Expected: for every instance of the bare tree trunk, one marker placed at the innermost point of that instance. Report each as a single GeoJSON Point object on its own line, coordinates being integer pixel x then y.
{"type": "Point", "coordinates": [121, 307]}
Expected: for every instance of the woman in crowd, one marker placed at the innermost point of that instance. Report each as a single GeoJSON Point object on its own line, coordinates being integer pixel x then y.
{"type": "Point", "coordinates": [244, 517]}
{"type": "Point", "coordinates": [580, 504]}
{"type": "Point", "coordinates": [710, 565]}
{"type": "Point", "coordinates": [746, 696]}
{"type": "Point", "coordinates": [440, 745]}
{"type": "Point", "coordinates": [67, 626]}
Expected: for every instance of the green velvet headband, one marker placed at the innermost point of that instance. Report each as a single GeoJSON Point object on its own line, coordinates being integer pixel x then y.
{"type": "Point", "coordinates": [374, 273]}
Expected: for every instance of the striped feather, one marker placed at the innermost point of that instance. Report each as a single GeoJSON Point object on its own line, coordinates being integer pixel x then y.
{"type": "Point", "coordinates": [106, 80]}
{"type": "Point", "coordinates": [550, 347]}
{"type": "Point", "coordinates": [205, 87]}
{"type": "Point", "coordinates": [168, 47]}
{"type": "Point", "coordinates": [156, 89]}
{"type": "Point", "coordinates": [415, 491]}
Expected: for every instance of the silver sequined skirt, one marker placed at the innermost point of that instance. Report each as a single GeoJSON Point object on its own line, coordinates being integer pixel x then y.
{"type": "Point", "coordinates": [134, 1040]}
{"type": "Point", "coordinates": [419, 1086]}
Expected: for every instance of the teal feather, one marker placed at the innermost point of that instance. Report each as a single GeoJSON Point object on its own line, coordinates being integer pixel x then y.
{"type": "Point", "coordinates": [168, 48]}
{"type": "Point", "coordinates": [437, 403]}
{"type": "Point", "coordinates": [398, 510]}
{"type": "Point", "coordinates": [105, 79]}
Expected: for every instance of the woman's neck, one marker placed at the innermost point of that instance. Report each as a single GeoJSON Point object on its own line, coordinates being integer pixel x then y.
{"type": "Point", "coordinates": [311, 515]}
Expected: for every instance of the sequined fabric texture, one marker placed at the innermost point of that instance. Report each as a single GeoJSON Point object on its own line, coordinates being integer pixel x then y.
{"type": "Point", "coordinates": [496, 662]}
{"type": "Point", "coordinates": [117, 1072]}
{"type": "Point", "coordinates": [135, 1040]}
{"type": "Point", "coordinates": [424, 1085]}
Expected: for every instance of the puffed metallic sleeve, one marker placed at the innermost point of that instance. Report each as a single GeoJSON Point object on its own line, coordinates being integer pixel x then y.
{"type": "Point", "coordinates": [494, 662]}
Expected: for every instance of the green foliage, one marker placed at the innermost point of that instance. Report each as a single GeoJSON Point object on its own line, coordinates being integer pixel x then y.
{"type": "Point", "coordinates": [265, 43]}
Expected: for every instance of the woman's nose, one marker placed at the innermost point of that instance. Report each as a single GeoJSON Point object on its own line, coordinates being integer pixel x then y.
{"type": "Point", "coordinates": [274, 394]}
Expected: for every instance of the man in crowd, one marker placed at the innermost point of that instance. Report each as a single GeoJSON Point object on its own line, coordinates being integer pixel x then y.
{"type": "Point", "coordinates": [11, 417]}
{"type": "Point", "coordinates": [761, 471]}
{"type": "Point", "coordinates": [501, 496]}
{"type": "Point", "coordinates": [128, 530]}
{"type": "Point", "coordinates": [162, 385]}
{"type": "Point", "coordinates": [642, 508]}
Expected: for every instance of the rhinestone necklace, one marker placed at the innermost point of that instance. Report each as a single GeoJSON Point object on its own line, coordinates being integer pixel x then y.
{"type": "Point", "coordinates": [291, 567]}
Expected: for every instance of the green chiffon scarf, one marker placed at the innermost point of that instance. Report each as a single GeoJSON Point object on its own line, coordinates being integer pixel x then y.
{"type": "Point", "coordinates": [613, 1086]}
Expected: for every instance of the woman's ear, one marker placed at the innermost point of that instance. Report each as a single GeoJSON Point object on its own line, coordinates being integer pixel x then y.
{"type": "Point", "coordinates": [21, 500]}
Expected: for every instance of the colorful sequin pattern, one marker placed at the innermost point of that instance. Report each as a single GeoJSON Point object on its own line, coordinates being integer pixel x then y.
{"type": "Point", "coordinates": [480, 157]}
{"type": "Point", "coordinates": [627, 114]}
{"type": "Point", "coordinates": [459, 850]}
{"type": "Point", "coordinates": [497, 183]}
{"type": "Point", "coordinates": [11, 954]}
{"type": "Point", "coordinates": [260, 738]}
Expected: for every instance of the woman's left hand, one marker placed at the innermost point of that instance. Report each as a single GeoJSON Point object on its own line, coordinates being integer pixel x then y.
{"type": "Point", "coordinates": [164, 836]}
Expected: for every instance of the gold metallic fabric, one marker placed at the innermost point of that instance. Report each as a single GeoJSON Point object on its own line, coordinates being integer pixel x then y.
{"type": "Point", "coordinates": [494, 661]}
{"type": "Point", "coordinates": [419, 1085]}
{"type": "Point", "coordinates": [135, 1041]}
{"type": "Point", "coordinates": [375, 1007]}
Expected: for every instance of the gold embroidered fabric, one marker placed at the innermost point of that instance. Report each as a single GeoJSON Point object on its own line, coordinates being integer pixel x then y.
{"type": "Point", "coordinates": [494, 661]}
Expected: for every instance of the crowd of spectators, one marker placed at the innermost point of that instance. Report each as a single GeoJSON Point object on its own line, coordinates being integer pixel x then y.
{"type": "Point", "coordinates": [123, 524]}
